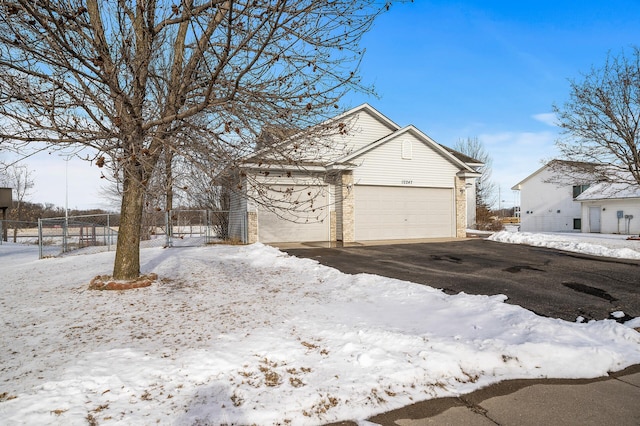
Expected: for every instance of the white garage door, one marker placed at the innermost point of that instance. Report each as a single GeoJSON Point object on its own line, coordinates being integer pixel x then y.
{"type": "Point", "coordinates": [296, 214]}
{"type": "Point", "coordinates": [386, 212]}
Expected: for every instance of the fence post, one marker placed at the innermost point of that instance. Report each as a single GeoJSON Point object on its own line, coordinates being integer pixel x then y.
{"type": "Point", "coordinates": [208, 231]}
{"type": "Point", "coordinates": [108, 232]}
{"type": "Point", "coordinates": [167, 226]}
{"type": "Point", "coordinates": [39, 238]}
{"type": "Point", "coordinates": [3, 230]}
{"type": "Point", "coordinates": [65, 230]}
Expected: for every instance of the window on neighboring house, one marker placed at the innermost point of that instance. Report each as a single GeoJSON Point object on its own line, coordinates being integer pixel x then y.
{"type": "Point", "coordinates": [407, 150]}
{"type": "Point", "coordinates": [577, 223]}
{"type": "Point", "coordinates": [579, 189]}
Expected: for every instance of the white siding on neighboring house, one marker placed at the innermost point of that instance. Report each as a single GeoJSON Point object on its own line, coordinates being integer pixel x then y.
{"type": "Point", "coordinates": [611, 208]}
{"type": "Point", "coordinates": [609, 221]}
{"type": "Point", "coordinates": [545, 206]}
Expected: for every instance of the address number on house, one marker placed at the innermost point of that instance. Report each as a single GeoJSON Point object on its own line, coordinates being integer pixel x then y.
{"type": "Point", "coordinates": [407, 182]}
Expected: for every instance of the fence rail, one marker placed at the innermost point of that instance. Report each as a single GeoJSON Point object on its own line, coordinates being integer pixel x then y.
{"type": "Point", "coordinates": [64, 234]}
{"type": "Point", "coordinates": [19, 231]}
{"type": "Point", "coordinates": [94, 233]}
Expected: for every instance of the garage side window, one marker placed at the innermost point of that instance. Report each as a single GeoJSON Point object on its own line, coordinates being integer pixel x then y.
{"type": "Point", "coordinates": [407, 150]}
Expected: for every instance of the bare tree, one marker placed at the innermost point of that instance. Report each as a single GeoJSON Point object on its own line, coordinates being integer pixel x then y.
{"type": "Point", "coordinates": [485, 187]}
{"type": "Point", "coordinates": [601, 123]}
{"type": "Point", "coordinates": [20, 179]}
{"type": "Point", "coordinates": [131, 79]}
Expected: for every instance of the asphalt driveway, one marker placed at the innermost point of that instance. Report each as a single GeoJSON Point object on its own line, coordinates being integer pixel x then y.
{"type": "Point", "coordinates": [547, 281]}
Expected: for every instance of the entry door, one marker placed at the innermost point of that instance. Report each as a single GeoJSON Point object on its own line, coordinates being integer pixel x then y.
{"type": "Point", "coordinates": [594, 219]}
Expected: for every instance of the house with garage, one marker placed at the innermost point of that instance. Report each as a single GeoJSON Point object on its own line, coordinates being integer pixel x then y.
{"type": "Point", "coordinates": [547, 200]}
{"type": "Point", "coordinates": [370, 179]}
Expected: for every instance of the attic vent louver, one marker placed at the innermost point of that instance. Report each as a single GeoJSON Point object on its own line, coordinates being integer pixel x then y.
{"type": "Point", "coordinates": [407, 150]}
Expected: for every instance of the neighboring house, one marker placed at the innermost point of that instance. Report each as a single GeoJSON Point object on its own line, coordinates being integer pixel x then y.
{"type": "Point", "coordinates": [610, 208]}
{"type": "Point", "coordinates": [383, 182]}
{"type": "Point", "coordinates": [547, 202]}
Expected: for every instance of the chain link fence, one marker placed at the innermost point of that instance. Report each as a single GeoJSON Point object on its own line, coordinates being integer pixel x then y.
{"type": "Point", "coordinates": [196, 227]}
{"type": "Point", "coordinates": [87, 233]}
{"type": "Point", "coordinates": [95, 233]}
{"type": "Point", "coordinates": [18, 231]}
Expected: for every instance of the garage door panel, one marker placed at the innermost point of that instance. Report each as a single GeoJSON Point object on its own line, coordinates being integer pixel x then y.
{"type": "Point", "coordinates": [402, 212]}
{"type": "Point", "coordinates": [302, 216]}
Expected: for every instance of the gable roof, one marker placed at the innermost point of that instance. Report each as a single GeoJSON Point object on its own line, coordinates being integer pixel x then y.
{"type": "Point", "coordinates": [443, 151]}
{"type": "Point", "coordinates": [609, 191]}
{"type": "Point", "coordinates": [372, 111]}
{"type": "Point", "coordinates": [550, 165]}
{"type": "Point", "coordinates": [263, 151]}
{"type": "Point", "coordinates": [464, 162]}
{"type": "Point", "coordinates": [463, 157]}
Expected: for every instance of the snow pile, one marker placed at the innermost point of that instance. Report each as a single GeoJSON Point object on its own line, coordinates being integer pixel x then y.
{"type": "Point", "coordinates": [607, 245]}
{"type": "Point", "coordinates": [250, 335]}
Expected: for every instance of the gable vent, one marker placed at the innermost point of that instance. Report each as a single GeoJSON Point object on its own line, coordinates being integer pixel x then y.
{"type": "Point", "coordinates": [407, 150]}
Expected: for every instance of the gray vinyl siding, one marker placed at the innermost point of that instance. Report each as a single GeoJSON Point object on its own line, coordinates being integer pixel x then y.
{"type": "Point", "coordinates": [365, 130]}
{"type": "Point", "coordinates": [238, 217]}
{"type": "Point", "coordinates": [384, 165]}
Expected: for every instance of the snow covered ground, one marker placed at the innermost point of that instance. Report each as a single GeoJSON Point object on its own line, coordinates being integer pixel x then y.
{"type": "Point", "coordinates": [250, 335]}
{"type": "Point", "coordinates": [607, 245]}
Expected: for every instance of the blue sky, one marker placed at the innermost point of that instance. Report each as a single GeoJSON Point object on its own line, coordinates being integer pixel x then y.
{"type": "Point", "coordinates": [457, 69]}
{"type": "Point", "coordinates": [491, 69]}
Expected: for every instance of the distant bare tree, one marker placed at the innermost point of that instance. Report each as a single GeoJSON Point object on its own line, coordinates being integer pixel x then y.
{"type": "Point", "coordinates": [20, 179]}
{"type": "Point", "coordinates": [130, 79]}
{"type": "Point", "coordinates": [601, 123]}
{"type": "Point", "coordinates": [485, 187]}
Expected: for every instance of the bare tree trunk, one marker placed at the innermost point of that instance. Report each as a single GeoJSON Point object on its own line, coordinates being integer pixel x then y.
{"type": "Point", "coordinates": [168, 167]}
{"type": "Point", "coordinates": [127, 262]}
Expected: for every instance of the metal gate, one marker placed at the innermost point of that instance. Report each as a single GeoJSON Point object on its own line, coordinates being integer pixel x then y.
{"type": "Point", "coordinates": [189, 228]}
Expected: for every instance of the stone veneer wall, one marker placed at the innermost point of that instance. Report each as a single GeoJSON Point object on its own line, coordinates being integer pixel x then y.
{"type": "Point", "coordinates": [348, 225]}
{"type": "Point", "coordinates": [332, 218]}
{"type": "Point", "coordinates": [252, 227]}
